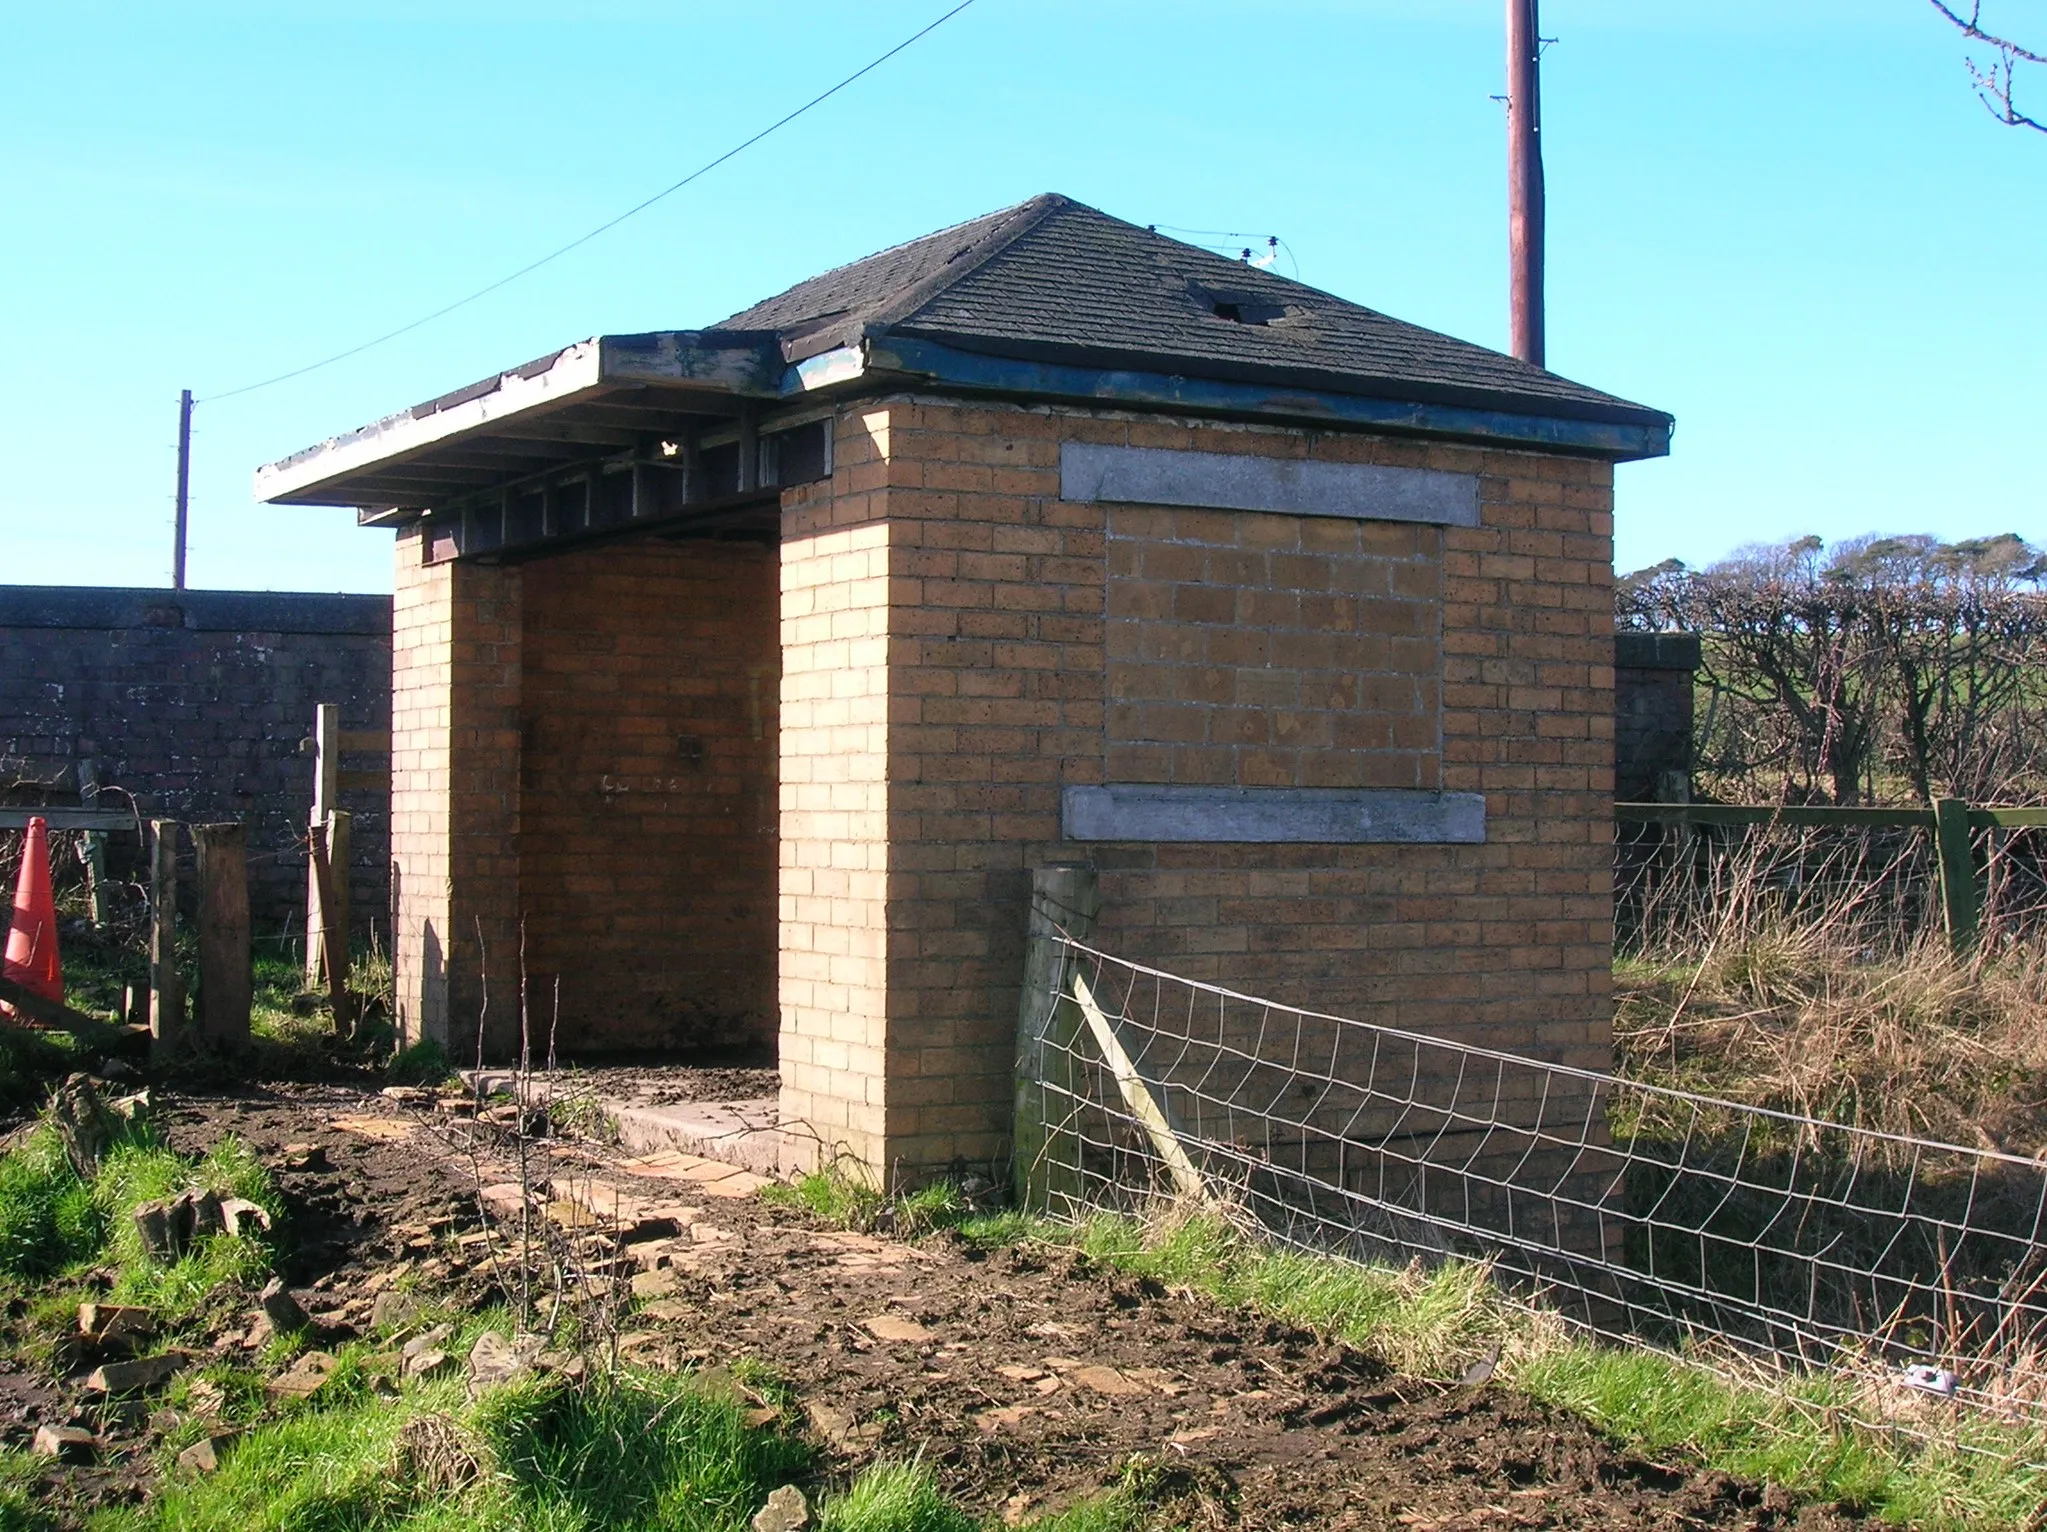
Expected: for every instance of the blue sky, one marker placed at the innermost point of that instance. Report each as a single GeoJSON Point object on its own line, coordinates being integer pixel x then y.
{"type": "Point", "coordinates": [1790, 224]}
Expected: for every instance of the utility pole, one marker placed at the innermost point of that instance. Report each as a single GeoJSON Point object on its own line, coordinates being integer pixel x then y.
{"type": "Point", "coordinates": [184, 486]}
{"type": "Point", "coordinates": [1524, 178]}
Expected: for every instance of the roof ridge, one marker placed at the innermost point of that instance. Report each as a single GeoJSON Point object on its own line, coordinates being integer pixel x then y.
{"type": "Point", "coordinates": [1020, 220]}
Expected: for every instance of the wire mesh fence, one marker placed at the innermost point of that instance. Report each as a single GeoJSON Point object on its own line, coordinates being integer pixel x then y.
{"type": "Point", "coordinates": [1643, 1213]}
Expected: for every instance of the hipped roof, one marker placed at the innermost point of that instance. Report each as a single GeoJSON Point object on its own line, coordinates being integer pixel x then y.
{"type": "Point", "coordinates": [1049, 299]}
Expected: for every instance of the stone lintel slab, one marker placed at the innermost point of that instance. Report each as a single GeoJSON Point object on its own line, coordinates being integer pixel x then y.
{"type": "Point", "coordinates": [1271, 815]}
{"type": "Point", "coordinates": [1226, 481]}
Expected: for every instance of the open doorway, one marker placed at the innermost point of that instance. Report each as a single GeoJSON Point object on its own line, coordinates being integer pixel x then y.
{"type": "Point", "coordinates": [647, 804]}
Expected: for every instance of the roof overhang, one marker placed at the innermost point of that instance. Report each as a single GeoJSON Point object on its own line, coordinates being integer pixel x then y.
{"type": "Point", "coordinates": [609, 396]}
{"type": "Point", "coordinates": [1620, 434]}
{"type": "Point", "coordinates": [617, 399]}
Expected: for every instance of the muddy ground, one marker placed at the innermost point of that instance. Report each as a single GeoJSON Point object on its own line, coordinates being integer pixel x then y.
{"type": "Point", "coordinates": [1026, 1377]}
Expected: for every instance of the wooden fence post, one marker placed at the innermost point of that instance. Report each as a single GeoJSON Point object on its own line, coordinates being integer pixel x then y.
{"type": "Point", "coordinates": [1045, 1152]}
{"type": "Point", "coordinates": [225, 980]}
{"type": "Point", "coordinates": [1960, 908]}
{"type": "Point", "coordinates": [326, 743]}
{"type": "Point", "coordinates": [328, 872]}
{"type": "Point", "coordinates": [95, 847]}
{"type": "Point", "coordinates": [166, 994]}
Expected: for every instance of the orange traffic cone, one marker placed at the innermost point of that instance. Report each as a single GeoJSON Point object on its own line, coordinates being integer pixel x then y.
{"type": "Point", "coordinates": [31, 959]}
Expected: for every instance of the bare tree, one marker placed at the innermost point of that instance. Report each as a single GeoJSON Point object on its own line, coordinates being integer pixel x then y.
{"type": "Point", "coordinates": [1885, 667]}
{"type": "Point", "coordinates": [1994, 80]}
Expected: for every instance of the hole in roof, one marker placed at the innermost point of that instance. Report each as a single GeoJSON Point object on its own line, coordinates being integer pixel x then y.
{"type": "Point", "coordinates": [1237, 306]}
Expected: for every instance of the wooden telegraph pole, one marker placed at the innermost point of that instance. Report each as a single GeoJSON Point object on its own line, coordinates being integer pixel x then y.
{"type": "Point", "coordinates": [184, 487]}
{"type": "Point", "coordinates": [1524, 178]}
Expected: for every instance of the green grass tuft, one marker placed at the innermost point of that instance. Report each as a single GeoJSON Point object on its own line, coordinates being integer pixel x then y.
{"type": "Point", "coordinates": [49, 1219]}
{"type": "Point", "coordinates": [630, 1451]}
{"type": "Point", "coordinates": [893, 1497]}
{"type": "Point", "coordinates": [1794, 1431]}
{"type": "Point", "coordinates": [424, 1063]}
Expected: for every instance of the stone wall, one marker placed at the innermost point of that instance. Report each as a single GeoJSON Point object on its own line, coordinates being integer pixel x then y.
{"type": "Point", "coordinates": [1652, 735]}
{"type": "Point", "coordinates": [193, 703]}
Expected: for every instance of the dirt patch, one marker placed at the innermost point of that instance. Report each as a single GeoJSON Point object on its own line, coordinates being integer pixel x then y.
{"type": "Point", "coordinates": [1025, 1377]}
{"type": "Point", "coordinates": [631, 1085]}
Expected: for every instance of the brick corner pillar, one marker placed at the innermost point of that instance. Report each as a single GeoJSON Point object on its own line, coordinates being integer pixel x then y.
{"type": "Point", "coordinates": [455, 675]}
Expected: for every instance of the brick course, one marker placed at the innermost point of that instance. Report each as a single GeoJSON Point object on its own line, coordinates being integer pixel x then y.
{"type": "Point", "coordinates": [647, 791]}
{"type": "Point", "coordinates": [999, 618]}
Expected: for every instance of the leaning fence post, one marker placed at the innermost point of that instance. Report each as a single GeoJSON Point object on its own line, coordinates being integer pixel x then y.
{"type": "Point", "coordinates": [1045, 1154]}
{"type": "Point", "coordinates": [225, 981]}
{"type": "Point", "coordinates": [166, 994]}
{"type": "Point", "coordinates": [327, 847]}
{"type": "Point", "coordinates": [1960, 909]}
{"type": "Point", "coordinates": [326, 752]}
{"type": "Point", "coordinates": [94, 846]}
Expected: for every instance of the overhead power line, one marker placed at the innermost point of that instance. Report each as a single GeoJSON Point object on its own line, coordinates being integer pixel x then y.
{"type": "Point", "coordinates": [583, 239]}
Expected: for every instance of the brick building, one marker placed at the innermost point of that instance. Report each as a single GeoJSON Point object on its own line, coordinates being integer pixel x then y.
{"type": "Point", "coordinates": [754, 667]}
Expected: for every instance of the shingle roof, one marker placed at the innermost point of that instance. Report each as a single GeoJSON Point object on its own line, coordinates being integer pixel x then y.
{"type": "Point", "coordinates": [1054, 280]}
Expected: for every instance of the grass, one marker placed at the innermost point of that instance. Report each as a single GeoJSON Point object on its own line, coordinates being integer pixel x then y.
{"type": "Point", "coordinates": [629, 1450]}
{"type": "Point", "coordinates": [893, 1497]}
{"type": "Point", "coordinates": [1798, 1432]}
{"type": "Point", "coordinates": [1803, 1432]}
{"type": "Point", "coordinates": [839, 1196]}
{"type": "Point", "coordinates": [1793, 970]}
{"type": "Point", "coordinates": [54, 1222]}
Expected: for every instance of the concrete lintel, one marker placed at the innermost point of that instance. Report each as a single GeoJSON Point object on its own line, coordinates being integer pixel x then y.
{"type": "Point", "coordinates": [1272, 815]}
{"type": "Point", "coordinates": [1235, 482]}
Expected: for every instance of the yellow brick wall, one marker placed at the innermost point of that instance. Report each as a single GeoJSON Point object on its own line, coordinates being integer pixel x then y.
{"type": "Point", "coordinates": [455, 673]}
{"type": "Point", "coordinates": [941, 547]}
{"type": "Point", "coordinates": [1254, 650]}
{"type": "Point", "coordinates": [834, 771]}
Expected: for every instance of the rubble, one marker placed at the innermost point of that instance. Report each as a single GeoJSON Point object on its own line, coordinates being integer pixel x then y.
{"type": "Point", "coordinates": [285, 1313]}
{"type": "Point", "coordinates": [786, 1511]}
{"type": "Point", "coordinates": [67, 1444]}
{"type": "Point", "coordinates": [133, 1376]}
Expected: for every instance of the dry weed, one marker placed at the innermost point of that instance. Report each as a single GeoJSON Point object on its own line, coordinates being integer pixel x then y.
{"type": "Point", "coordinates": [1810, 981]}
{"type": "Point", "coordinates": [437, 1455]}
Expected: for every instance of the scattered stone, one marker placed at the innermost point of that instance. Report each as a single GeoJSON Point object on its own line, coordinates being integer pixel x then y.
{"type": "Point", "coordinates": [153, 1227]}
{"type": "Point", "coordinates": [284, 1312]}
{"type": "Point", "coordinates": [67, 1444]}
{"type": "Point", "coordinates": [661, 1282]}
{"type": "Point", "coordinates": [406, 1093]}
{"type": "Point", "coordinates": [205, 1398]}
{"type": "Point", "coordinates": [239, 1216]}
{"type": "Point", "coordinates": [494, 1360]}
{"type": "Point", "coordinates": [132, 1377]}
{"type": "Point", "coordinates": [667, 1310]}
{"type": "Point", "coordinates": [840, 1428]}
{"type": "Point", "coordinates": [430, 1363]}
{"type": "Point", "coordinates": [115, 1326]}
{"type": "Point", "coordinates": [1107, 1380]}
{"type": "Point", "coordinates": [568, 1213]}
{"type": "Point", "coordinates": [786, 1511]}
{"type": "Point", "coordinates": [203, 1456]}
{"type": "Point", "coordinates": [305, 1157]}
{"type": "Point", "coordinates": [504, 1199]}
{"type": "Point", "coordinates": [427, 1340]}
{"type": "Point", "coordinates": [890, 1328]}
{"type": "Point", "coordinates": [392, 1311]}
{"type": "Point", "coordinates": [1016, 1372]}
{"type": "Point", "coordinates": [306, 1374]}
{"type": "Point", "coordinates": [1006, 1416]}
